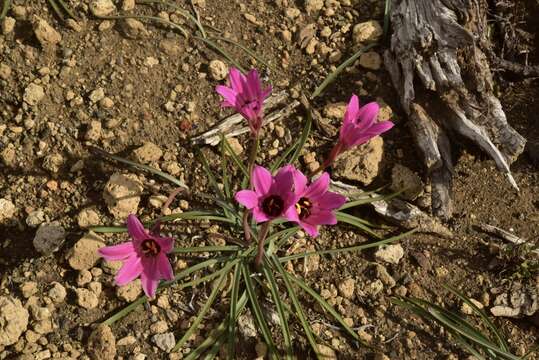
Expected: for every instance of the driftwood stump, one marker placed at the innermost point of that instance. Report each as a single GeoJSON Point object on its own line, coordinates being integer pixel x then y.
{"type": "Point", "coordinates": [438, 65]}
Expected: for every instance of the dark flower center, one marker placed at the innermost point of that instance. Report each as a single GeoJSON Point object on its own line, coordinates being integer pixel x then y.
{"type": "Point", "coordinates": [150, 247]}
{"type": "Point", "coordinates": [303, 208]}
{"type": "Point", "coordinates": [273, 205]}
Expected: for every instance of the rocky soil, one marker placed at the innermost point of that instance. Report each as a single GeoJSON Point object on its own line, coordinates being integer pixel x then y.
{"type": "Point", "coordinates": [142, 90]}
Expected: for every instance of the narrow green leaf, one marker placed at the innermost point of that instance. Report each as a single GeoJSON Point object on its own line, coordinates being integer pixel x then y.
{"type": "Point", "coordinates": [283, 320]}
{"type": "Point", "coordinates": [368, 200]}
{"type": "Point", "coordinates": [303, 138]}
{"type": "Point", "coordinates": [209, 173]}
{"type": "Point", "coordinates": [67, 9]}
{"type": "Point", "coordinates": [348, 249]}
{"type": "Point", "coordinates": [233, 310]}
{"type": "Point", "coordinates": [215, 348]}
{"type": "Point", "coordinates": [257, 311]}
{"type": "Point", "coordinates": [190, 250]}
{"type": "Point", "coordinates": [213, 295]}
{"type": "Point", "coordinates": [150, 169]}
{"type": "Point", "coordinates": [224, 169]}
{"type": "Point", "coordinates": [387, 9]}
{"type": "Point", "coordinates": [250, 52]}
{"type": "Point", "coordinates": [222, 51]}
{"type": "Point", "coordinates": [56, 9]}
{"type": "Point", "coordinates": [500, 339]}
{"type": "Point", "coordinates": [125, 311]}
{"type": "Point", "coordinates": [180, 11]}
{"type": "Point", "coordinates": [325, 306]}
{"type": "Point", "coordinates": [297, 305]}
{"type": "Point", "coordinates": [144, 17]}
{"type": "Point", "coordinates": [206, 278]}
{"type": "Point", "coordinates": [355, 221]}
{"type": "Point", "coordinates": [331, 77]}
{"type": "Point", "coordinates": [5, 7]}
{"type": "Point", "coordinates": [235, 158]}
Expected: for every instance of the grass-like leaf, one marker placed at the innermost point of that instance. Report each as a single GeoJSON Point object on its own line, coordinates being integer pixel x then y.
{"type": "Point", "coordinates": [283, 319]}
{"type": "Point", "coordinates": [190, 250]}
{"type": "Point", "coordinates": [295, 147]}
{"type": "Point", "coordinates": [150, 169]}
{"type": "Point", "coordinates": [5, 7]}
{"type": "Point", "coordinates": [224, 170]}
{"type": "Point", "coordinates": [326, 306]}
{"type": "Point", "coordinates": [221, 51]}
{"type": "Point", "coordinates": [368, 200]}
{"type": "Point", "coordinates": [387, 9]}
{"type": "Point", "coordinates": [250, 52]}
{"type": "Point", "coordinates": [465, 333]}
{"type": "Point", "coordinates": [257, 311]}
{"type": "Point", "coordinates": [331, 77]}
{"type": "Point", "coordinates": [348, 249]}
{"type": "Point", "coordinates": [213, 295]}
{"type": "Point", "coordinates": [297, 305]}
{"type": "Point", "coordinates": [235, 158]}
{"type": "Point", "coordinates": [486, 320]}
{"type": "Point", "coordinates": [145, 17]}
{"type": "Point", "coordinates": [355, 221]}
{"type": "Point", "coordinates": [180, 11]}
{"type": "Point", "coordinates": [303, 138]}
{"type": "Point", "coordinates": [231, 326]}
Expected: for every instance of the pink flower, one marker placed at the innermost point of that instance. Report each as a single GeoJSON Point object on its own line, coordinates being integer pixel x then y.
{"type": "Point", "coordinates": [316, 204]}
{"type": "Point", "coordinates": [359, 123]}
{"type": "Point", "coordinates": [272, 196]}
{"type": "Point", "coordinates": [246, 95]}
{"type": "Point", "coordinates": [359, 126]}
{"type": "Point", "coordinates": [144, 256]}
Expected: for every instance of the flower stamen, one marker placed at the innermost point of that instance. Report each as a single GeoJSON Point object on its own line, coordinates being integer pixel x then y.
{"type": "Point", "coordinates": [150, 247]}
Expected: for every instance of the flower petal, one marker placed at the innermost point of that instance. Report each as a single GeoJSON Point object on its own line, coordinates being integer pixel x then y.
{"type": "Point", "coordinates": [259, 215]}
{"type": "Point", "coordinates": [310, 229]}
{"type": "Point", "coordinates": [284, 181]}
{"type": "Point", "coordinates": [253, 84]}
{"type": "Point", "coordinates": [352, 110]}
{"type": "Point", "coordinates": [136, 229]}
{"type": "Point", "coordinates": [322, 217]}
{"type": "Point", "coordinates": [300, 182]}
{"type": "Point", "coordinates": [228, 94]}
{"type": "Point", "coordinates": [236, 80]}
{"type": "Point", "coordinates": [164, 267]}
{"type": "Point", "coordinates": [149, 285]}
{"type": "Point", "coordinates": [130, 270]}
{"type": "Point", "coordinates": [331, 200]}
{"type": "Point", "coordinates": [379, 128]}
{"type": "Point", "coordinates": [261, 180]}
{"type": "Point", "coordinates": [165, 243]}
{"type": "Point", "coordinates": [367, 115]}
{"type": "Point", "coordinates": [318, 187]}
{"type": "Point", "coordinates": [247, 198]}
{"type": "Point", "coordinates": [291, 214]}
{"type": "Point", "coordinates": [117, 252]}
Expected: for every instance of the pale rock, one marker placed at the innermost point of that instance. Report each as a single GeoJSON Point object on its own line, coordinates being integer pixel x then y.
{"type": "Point", "coordinates": [43, 327]}
{"type": "Point", "coordinates": [383, 275]}
{"type": "Point", "coordinates": [84, 255]}
{"type": "Point", "coordinates": [374, 288]}
{"type": "Point", "coordinates": [367, 32]}
{"type": "Point", "coordinates": [111, 267]}
{"type": "Point", "coordinates": [391, 253]}
{"type": "Point", "coordinates": [157, 201]}
{"type": "Point", "coordinates": [97, 95]}
{"type": "Point", "coordinates": [165, 342]}
{"type": "Point", "coordinates": [35, 218]}
{"type": "Point", "coordinates": [128, 5]}
{"type": "Point", "coordinates": [28, 289]}
{"type": "Point", "coordinates": [126, 341]}
{"type": "Point", "coordinates": [102, 343]}
{"type": "Point", "coordinates": [235, 145]}
{"type": "Point", "coordinates": [218, 70]}
{"type": "Point", "coordinates": [505, 311]}
{"type": "Point", "coordinates": [122, 195]}
{"type": "Point", "coordinates": [33, 94]}
{"type": "Point", "coordinates": [102, 7]}
{"type": "Point", "coordinates": [151, 61]}
{"type": "Point", "coordinates": [159, 327]}
{"type": "Point", "coordinates": [106, 103]}
{"type": "Point", "coordinates": [95, 287]}
{"type": "Point", "coordinates": [74, 25]}
{"type": "Point", "coordinates": [312, 6]}
{"type": "Point", "coordinates": [347, 288]}
{"type": "Point", "coordinates": [84, 277]}
{"type": "Point", "coordinates": [170, 47]}
{"type": "Point", "coordinates": [147, 153]}
{"type": "Point", "coordinates": [42, 355]}
{"type": "Point", "coordinates": [467, 309]}
{"type": "Point", "coordinates": [13, 320]}
{"type": "Point", "coordinates": [94, 131]}
{"type": "Point", "coordinates": [86, 298]}
{"type": "Point", "coordinates": [7, 210]}
{"type": "Point", "coordinates": [88, 217]}
{"type": "Point", "coordinates": [247, 326]}
{"type": "Point", "coordinates": [335, 110]}
{"type": "Point", "coordinates": [292, 12]}
{"type": "Point", "coordinates": [326, 353]}
{"type": "Point", "coordinates": [8, 25]}
{"type": "Point", "coordinates": [129, 292]}
{"type": "Point", "coordinates": [49, 237]}
{"type": "Point", "coordinates": [57, 293]}
{"type": "Point", "coordinates": [406, 181]}
{"type": "Point", "coordinates": [134, 28]}
{"type": "Point", "coordinates": [45, 34]}
{"type": "Point", "coordinates": [40, 312]}
{"type": "Point", "coordinates": [361, 163]}
{"type": "Point", "coordinates": [370, 60]}
{"type": "Point", "coordinates": [5, 71]}
{"type": "Point", "coordinates": [364, 336]}
{"type": "Point", "coordinates": [53, 162]}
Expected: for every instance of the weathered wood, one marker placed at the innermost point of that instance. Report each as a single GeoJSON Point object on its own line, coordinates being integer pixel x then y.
{"type": "Point", "coordinates": [437, 61]}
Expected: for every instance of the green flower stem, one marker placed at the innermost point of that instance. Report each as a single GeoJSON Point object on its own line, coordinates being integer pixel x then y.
{"type": "Point", "coordinates": [261, 240]}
